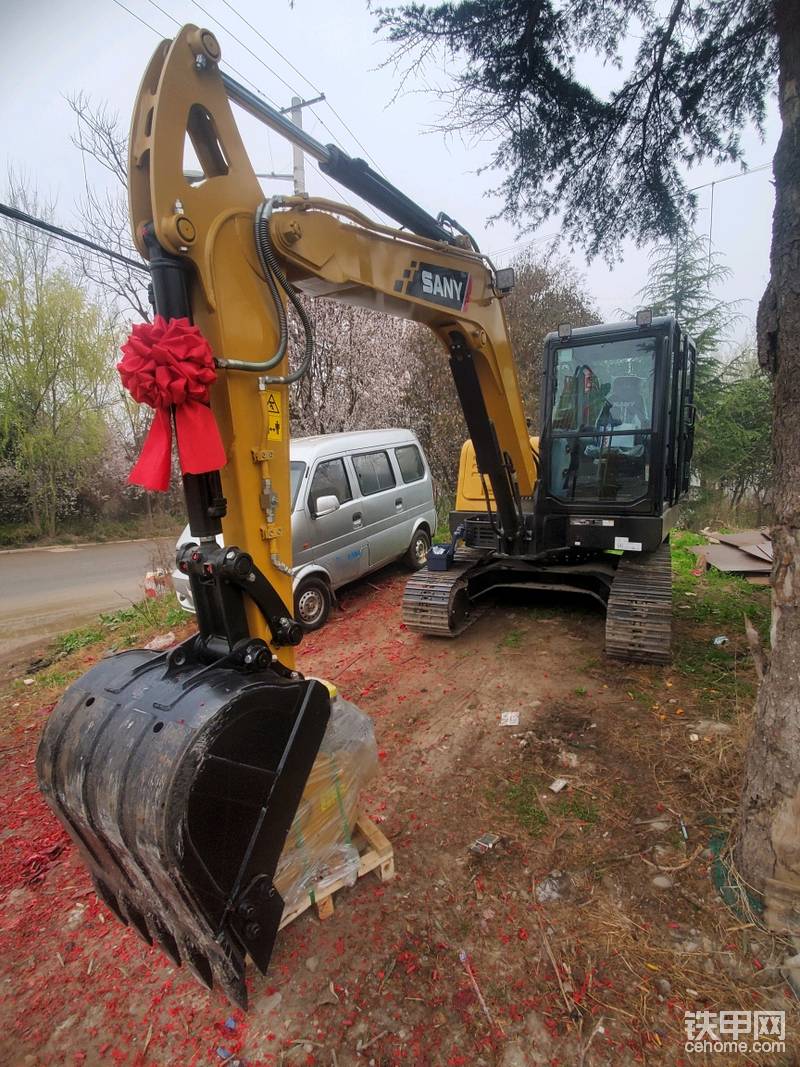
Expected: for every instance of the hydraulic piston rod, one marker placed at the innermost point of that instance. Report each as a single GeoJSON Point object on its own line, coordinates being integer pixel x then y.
{"type": "Point", "coordinates": [353, 174]}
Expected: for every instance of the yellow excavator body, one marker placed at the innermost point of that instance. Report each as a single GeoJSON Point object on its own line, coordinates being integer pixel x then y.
{"type": "Point", "coordinates": [472, 488]}
{"type": "Point", "coordinates": [178, 773]}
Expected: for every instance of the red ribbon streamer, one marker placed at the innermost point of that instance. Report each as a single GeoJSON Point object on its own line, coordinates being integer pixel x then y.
{"type": "Point", "coordinates": [169, 365]}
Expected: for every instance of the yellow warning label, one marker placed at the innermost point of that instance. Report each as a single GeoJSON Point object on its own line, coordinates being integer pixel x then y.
{"type": "Point", "coordinates": [274, 417]}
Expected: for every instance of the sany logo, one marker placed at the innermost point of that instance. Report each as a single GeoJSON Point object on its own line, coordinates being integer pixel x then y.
{"type": "Point", "coordinates": [436, 285]}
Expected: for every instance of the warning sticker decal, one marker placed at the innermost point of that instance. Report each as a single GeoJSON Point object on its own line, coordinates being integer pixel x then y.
{"type": "Point", "coordinates": [274, 417]}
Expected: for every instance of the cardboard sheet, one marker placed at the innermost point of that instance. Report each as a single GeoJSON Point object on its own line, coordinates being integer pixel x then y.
{"type": "Point", "coordinates": [732, 560]}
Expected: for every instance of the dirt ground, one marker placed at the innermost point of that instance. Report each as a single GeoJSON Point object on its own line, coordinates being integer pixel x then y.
{"type": "Point", "coordinates": [588, 932]}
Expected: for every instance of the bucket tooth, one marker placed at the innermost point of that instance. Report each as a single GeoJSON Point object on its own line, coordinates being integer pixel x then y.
{"type": "Point", "coordinates": [198, 964]}
{"type": "Point", "coordinates": [166, 942]}
{"type": "Point", "coordinates": [178, 780]}
{"type": "Point", "coordinates": [138, 922]}
{"type": "Point", "coordinates": [109, 899]}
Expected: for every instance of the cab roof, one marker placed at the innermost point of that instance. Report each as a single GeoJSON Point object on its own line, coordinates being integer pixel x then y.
{"type": "Point", "coordinates": [580, 333]}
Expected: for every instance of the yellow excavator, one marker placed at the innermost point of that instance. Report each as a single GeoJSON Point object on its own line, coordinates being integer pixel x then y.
{"type": "Point", "coordinates": [178, 773]}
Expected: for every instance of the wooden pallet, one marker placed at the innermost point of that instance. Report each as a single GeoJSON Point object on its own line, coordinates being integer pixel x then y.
{"type": "Point", "coordinates": [375, 854]}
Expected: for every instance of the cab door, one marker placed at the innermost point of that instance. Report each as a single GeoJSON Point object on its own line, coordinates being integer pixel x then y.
{"type": "Point", "coordinates": [687, 418]}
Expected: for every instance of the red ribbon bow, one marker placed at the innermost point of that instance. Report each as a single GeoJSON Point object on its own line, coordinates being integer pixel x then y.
{"type": "Point", "coordinates": [169, 365]}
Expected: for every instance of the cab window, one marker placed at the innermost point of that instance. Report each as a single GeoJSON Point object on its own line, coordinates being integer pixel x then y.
{"type": "Point", "coordinates": [330, 479]}
{"type": "Point", "coordinates": [374, 472]}
{"type": "Point", "coordinates": [602, 420]}
{"type": "Point", "coordinates": [410, 463]}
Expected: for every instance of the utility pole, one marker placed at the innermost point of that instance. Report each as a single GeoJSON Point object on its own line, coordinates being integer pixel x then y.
{"type": "Point", "coordinates": [298, 175]}
{"type": "Point", "coordinates": [298, 157]}
{"type": "Point", "coordinates": [295, 111]}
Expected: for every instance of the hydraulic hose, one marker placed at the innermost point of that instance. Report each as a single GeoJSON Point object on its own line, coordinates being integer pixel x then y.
{"type": "Point", "coordinates": [273, 264]}
{"type": "Point", "coordinates": [273, 271]}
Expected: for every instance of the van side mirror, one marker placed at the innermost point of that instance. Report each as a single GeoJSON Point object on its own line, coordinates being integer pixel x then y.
{"type": "Point", "coordinates": [326, 505]}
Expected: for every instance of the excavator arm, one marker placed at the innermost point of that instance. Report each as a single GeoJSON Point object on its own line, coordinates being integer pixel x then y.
{"type": "Point", "coordinates": [178, 774]}
{"type": "Point", "coordinates": [338, 253]}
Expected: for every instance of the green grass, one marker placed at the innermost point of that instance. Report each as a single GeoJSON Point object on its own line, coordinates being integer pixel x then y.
{"type": "Point", "coordinates": [714, 597]}
{"type": "Point", "coordinates": [77, 639]}
{"type": "Point", "coordinates": [152, 613]}
{"type": "Point", "coordinates": [522, 800]}
{"type": "Point", "coordinates": [23, 535]}
{"type": "Point", "coordinates": [443, 535]}
{"type": "Point", "coordinates": [578, 806]}
{"type": "Point", "coordinates": [125, 628]}
{"type": "Point", "coordinates": [715, 603]}
{"type": "Point", "coordinates": [513, 639]}
{"type": "Point", "coordinates": [57, 677]}
{"type": "Point", "coordinates": [722, 679]}
{"type": "Point", "coordinates": [580, 690]}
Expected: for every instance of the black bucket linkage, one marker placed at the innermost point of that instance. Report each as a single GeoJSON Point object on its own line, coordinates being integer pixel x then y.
{"type": "Point", "coordinates": [179, 782]}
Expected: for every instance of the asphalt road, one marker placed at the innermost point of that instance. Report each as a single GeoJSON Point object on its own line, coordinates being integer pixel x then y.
{"type": "Point", "coordinates": [47, 591]}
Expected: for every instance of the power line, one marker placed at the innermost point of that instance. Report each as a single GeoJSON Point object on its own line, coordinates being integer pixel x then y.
{"type": "Point", "coordinates": [67, 235]}
{"type": "Point", "coordinates": [239, 73]}
{"type": "Point", "coordinates": [246, 47]}
{"type": "Point", "coordinates": [272, 70]}
{"type": "Point", "coordinates": [713, 184]}
{"type": "Point", "coordinates": [252, 85]}
{"type": "Point", "coordinates": [177, 22]}
{"type": "Point", "coordinates": [272, 47]}
{"type": "Point", "coordinates": [267, 67]}
{"type": "Point", "coordinates": [308, 81]}
{"type": "Point", "coordinates": [520, 247]}
{"type": "Point", "coordinates": [730, 177]}
{"type": "Point", "coordinates": [137, 17]}
{"type": "Point", "coordinates": [516, 247]}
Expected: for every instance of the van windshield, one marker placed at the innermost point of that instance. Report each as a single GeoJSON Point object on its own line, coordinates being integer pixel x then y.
{"type": "Point", "coordinates": [297, 470]}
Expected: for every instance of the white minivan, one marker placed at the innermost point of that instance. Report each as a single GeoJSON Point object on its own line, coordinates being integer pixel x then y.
{"type": "Point", "coordinates": [360, 500]}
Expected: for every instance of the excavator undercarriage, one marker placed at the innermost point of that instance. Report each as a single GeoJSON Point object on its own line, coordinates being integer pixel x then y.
{"type": "Point", "coordinates": [635, 592]}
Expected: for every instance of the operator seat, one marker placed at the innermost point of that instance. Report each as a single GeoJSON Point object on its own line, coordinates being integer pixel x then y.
{"type": "Point", "coordinates": [626, 399]}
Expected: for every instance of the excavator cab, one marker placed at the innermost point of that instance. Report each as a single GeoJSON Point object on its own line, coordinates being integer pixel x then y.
{"type": "Point", "coordinates": [617, 417]}
{"type": "Point", "coordinates": [612, 464]}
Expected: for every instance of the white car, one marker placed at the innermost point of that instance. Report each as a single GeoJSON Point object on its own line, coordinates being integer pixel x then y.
{"type": "Point", "coordinates": [359, 501]}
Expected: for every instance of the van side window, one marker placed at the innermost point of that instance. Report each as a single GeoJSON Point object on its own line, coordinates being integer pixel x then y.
{"type": "Point", "coordinates": [410, 463]}
{"type": "Point", "coordinates": [330, 479]}
{"type": "Point", "coordinates": [374, 472]}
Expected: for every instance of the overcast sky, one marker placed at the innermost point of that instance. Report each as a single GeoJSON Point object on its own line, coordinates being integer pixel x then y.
{"type": "Point", "coordinates": [53, 48]}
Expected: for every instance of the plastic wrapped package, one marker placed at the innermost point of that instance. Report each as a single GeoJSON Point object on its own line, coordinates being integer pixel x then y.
{"type": "Point", "coordinates": [319, 849]}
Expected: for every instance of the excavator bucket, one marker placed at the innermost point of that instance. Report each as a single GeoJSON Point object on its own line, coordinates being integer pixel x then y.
{"type": "Point", "coordinates": [179, 782]}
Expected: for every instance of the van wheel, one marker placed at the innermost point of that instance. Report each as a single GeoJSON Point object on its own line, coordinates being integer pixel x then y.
{"type": "Point", "coordinates": [312, 603]}
{"type": "Point", "coordinates": [417, 555]}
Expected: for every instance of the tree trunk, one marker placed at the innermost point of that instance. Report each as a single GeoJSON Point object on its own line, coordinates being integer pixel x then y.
{"type": "Point", "coordinates": [768, 845]}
